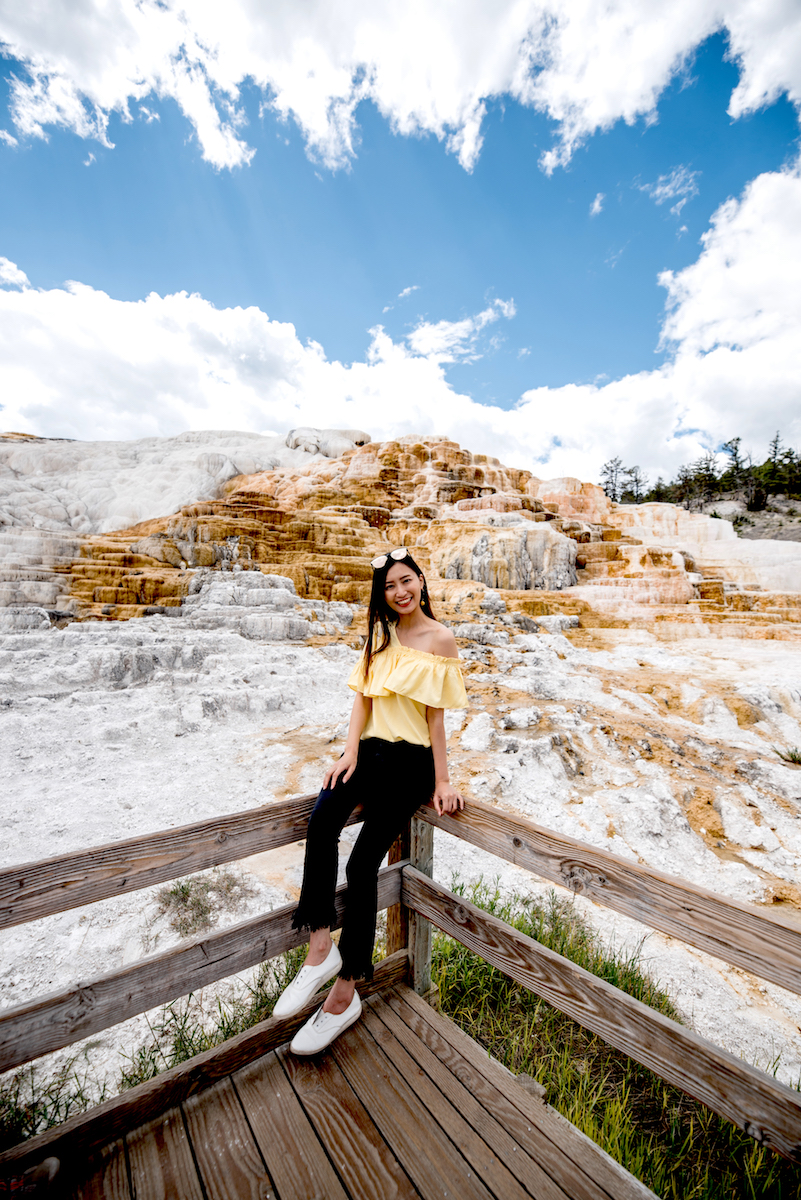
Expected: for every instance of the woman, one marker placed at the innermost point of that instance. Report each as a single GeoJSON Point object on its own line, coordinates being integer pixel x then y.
{"type": "Point", "coordinates": [394, 760]}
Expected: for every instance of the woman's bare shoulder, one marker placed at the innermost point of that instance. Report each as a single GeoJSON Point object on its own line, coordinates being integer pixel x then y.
{"type": "Point", "coordinates": [443, 642]}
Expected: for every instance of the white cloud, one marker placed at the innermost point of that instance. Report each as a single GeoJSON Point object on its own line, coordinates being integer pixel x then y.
{"type": "Point", "coordinates": [744, 290]}
{"type": "Point", "coordinates": [8, 138]}
{"type": "Point", "coordinates": [597, 205]}
{"type": "Point", "coordinates": [505, 308]}
{"type": "Point", "coordinates": [680, 182]}
{"type": "Point", "coordinates": [407, 291]}
{"type": "Point", "coordinates": [456, 341]}
{"type": "Point", "coordinates": [765, 41]}
{"type": "Point", "coordinates": [76, 363]}
{"type": "Point", "coordinates": [11, 275]}
{"type": "Point", "coordinates": [428, 67]}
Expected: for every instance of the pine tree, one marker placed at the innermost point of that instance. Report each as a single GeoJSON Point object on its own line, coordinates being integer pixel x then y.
{"type": "Point", "coordinates": [734, 471]}
{"type": "Point", "coordinates": [706, 475]}
{"type": "Point", "coordinates": [772, 473]}
{"type": "Point", "coordinates": [660, 492]}
{"type": "Point", "coordinates": [685, 486]}
{"type": "Point", "coordinates": [635, 484]}
{"type": "Point", "coordinates": [611, 477]}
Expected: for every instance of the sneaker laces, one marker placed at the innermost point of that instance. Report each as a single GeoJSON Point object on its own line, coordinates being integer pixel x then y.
{"type": "Point", "coordinates": [305, 971]}
{"type": "Point", "coordinates": [321, 1015]}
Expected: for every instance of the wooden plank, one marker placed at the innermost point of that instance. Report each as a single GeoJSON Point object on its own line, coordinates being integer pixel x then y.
{"type": "Point", "coordinates": [52, 885]}
{"type": "Point", "coordinates": [763, 942]}
{"type": "Point", "coordinates": [398, 914]}
{"type": "Point", "coordinates": [362, 1158]}
{"type": "Point", "coordinates": [226, 1153]}
{"type": "Point", "coordinates": [295, 1158]}
{"type": "Point", "coordinates": [568, 1155]}
{"type": "Point", "coordinates": [103, 1177]}
{"type": "Point", "coordinates": [455, 1080]}
{"type": "Point", "coordinates": [466, 1129]}
{"type": "Point", "coordinates": [764, 1108]}
{"type": "Point", "coordinates": [85, 1132]}
{"type": "Point", "coordinates": [46, 1024]}
{"type": "Point", "coordinates": [421, 855]}
{"type": "Point", "coordinates": [161, 1162]}
{"type": "Point", "coordinates": [432, 1162]}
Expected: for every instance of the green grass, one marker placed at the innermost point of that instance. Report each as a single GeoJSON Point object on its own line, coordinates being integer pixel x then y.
{"type": "Point", "coordinates": [790, 754]}
{"type": "Point", "coordinates": [30, 1103]}
{"type": "Point", "coordinates": [186, 1027]}
{"type": "Point", "coordinates": [676, 1146]}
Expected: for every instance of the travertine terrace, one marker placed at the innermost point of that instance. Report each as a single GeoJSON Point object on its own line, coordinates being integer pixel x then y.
{"type": "Point", "coordinates": [631, 671]}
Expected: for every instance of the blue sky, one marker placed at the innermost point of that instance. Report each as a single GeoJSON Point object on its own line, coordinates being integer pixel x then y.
{"type": "Point", "coordinates": [331, 250]}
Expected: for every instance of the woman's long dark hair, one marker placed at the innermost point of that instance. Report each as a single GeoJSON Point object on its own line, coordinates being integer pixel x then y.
{"type": "Point", "coordinates": [379, 612]}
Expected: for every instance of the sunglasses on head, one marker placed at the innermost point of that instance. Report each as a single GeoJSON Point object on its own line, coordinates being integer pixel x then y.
{"type": "Point", "coordinates": [383, 559]}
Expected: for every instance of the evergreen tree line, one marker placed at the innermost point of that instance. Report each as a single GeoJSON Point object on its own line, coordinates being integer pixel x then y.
{"type": "Point", "coordinates": [701, 482]}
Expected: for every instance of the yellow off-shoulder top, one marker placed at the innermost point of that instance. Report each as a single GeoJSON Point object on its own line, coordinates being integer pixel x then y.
{"type": "Point", "coordinates": [402, 683]}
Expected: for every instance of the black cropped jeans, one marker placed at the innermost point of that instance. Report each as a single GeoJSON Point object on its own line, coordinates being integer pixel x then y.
{"type": "Point", "coordinates": [391, 780]}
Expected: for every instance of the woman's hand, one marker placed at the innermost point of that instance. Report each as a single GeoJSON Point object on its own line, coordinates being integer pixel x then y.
{"type": "Point", "coordinates": [342, 769]}
{"type": "Point", "coordinates": [346, 765]}
{"type": "Point", "coordinates": [446, 799]}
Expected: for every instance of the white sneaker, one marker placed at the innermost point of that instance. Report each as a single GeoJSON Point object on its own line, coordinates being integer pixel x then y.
{"type": "Point", "coordinates": [307, 981]}
{"type": "Point", "coordinates": [321, 1029]}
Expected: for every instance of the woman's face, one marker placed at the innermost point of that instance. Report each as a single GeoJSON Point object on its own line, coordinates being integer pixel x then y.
{"type": "Point", "coordinates": [403, 589]}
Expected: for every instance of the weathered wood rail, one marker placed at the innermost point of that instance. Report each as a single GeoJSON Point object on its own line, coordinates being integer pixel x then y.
{"type": "Point", "coordinates": [758, 941]}
{"type": "Point", "coordinates": [67, 881]}
{"type": "Point", "coordinates": [766, 1109]}
{"type": "Point", "coordinates": [31, 1030]}
{"type": "Point", "coordinates": [763, 942]}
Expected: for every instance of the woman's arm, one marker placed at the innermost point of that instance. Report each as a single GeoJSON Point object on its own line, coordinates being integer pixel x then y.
{"type": "Point", "coordinates": [445, 798]}
{"type": "Point", "coordinates": [346, 765]}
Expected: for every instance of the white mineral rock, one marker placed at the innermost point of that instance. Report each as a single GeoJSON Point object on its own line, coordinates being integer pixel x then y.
{"type": "Point", "coordinates": [264, 607]}
{"type": "Point", "coordinates": [512, 553]}
{"type": "Point", "coordinates": [330, 442]}
{"type": "Point", "coordinates": [94, 487]}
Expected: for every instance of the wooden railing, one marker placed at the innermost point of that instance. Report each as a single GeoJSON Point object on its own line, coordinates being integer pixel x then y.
{"type": "Point", "coordinates": [755, 940]}
{"type": "Point", "coordinates": [56, 884]}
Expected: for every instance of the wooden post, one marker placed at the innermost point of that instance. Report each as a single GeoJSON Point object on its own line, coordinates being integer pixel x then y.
{"type": "Point", "coordinates": [398, 914]}
{"type": "Point", "coordinates": [421, 855]}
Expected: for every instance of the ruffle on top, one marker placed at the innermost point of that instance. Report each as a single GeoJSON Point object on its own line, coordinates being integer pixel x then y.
{"type": "Point", "coordinates": [427, 678]}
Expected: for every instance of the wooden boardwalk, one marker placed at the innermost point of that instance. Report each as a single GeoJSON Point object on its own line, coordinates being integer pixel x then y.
{"type": "Point", "coordinates": [402, 1105]}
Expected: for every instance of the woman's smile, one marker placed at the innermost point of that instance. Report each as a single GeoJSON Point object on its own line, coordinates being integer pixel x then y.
{"type": "Point", "coordinates": [403, 589]}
